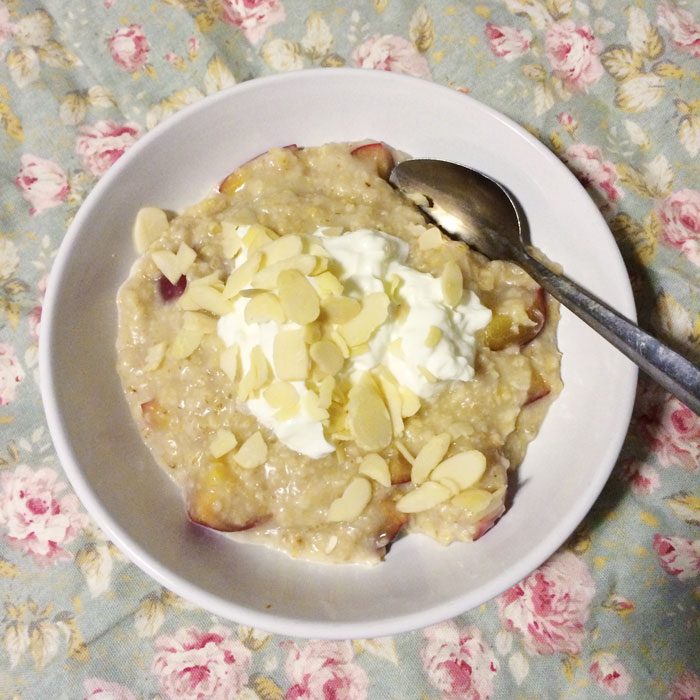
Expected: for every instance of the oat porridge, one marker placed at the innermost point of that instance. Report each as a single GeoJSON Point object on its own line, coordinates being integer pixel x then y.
{"type": "Point", "coordinates": [320, 369]}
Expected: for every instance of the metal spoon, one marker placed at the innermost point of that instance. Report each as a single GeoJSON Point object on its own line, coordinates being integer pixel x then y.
{"type": "Point", "coordinates": [475, 208]}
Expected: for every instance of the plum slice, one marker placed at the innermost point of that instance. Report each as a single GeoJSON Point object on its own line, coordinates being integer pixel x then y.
{"type": "Point", "coordinates": [502, 332]}
{"type": "Point", "coordinates": [538, 388]}
{"type": "Point", "coordinates": [169, 291]}
{"type": "Point", "coordinates": [377, 155]}
{"type": "Point", "coordinates": [392, 524]}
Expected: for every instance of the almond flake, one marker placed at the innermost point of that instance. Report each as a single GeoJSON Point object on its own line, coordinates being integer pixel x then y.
{"type": "Point", "coordinates": [340, 309]}
{"type": "Point", "coordinates": [328, 285]}
{"type": "Point", "coordinates": [368, 417]}
{"type": "Point", "coordinates": [199, 321]}
{"type": "Point", "coordinates": [186, 342]}
{"type": "Point", "coordinates": [376, 467]}
{"type": "Point", "coordinates": [433, 338]}
{"type": "Point", "coordinates": [299, 299]}
{"type": "Point", "coordinates": [393, 402]}
{"type": "Point", "coordinates": [326, 354]}
{"type": "Point", "coordinates": [210, 299]}
{"type": "Point", "coordinates": [410, 403]}
{"type": "Point", "coordinates": [253, 452]}
{"type": "Point", "coordinates": [166, 262]}
{"type": "Point", "coordinates": [354, 500]}
{"type": "Point", "coordinates": [261, 367]}
{"type": "Point", "coordinates": [267, 277]}
{"type": "Point", "coordinates": [340, 342]}
{"type": "Point", "coordinates": [473, 501]}
{"type": "Point", "coordinates": [395, 348]}
{"type": "Point", "coordinates": [263, 308]}
{"type": "Point", "coordinates": [290, 355]}
{"type": "Point", "coordinates": [404, 452]}
{"type": "Point", "coordinates": [466, 468]}
{"type": "Point", "coordinates": [312, 333]}
{"type": "Point", "coordinates": [374, 311]}
{"type": "Point", "coordinates": [452, 283]}
{"type": "Point", "coordinates": [242, 276]}
{"type": "Point", "coordinates": [185, 256]}
{"type": "Point", "coordinates": [230, 240]}
{"type": "Point", "coordinates": [424, 497]}
{"type": "Point", "coordinates": [429, 457]}
{"type": "Point", "coordinates": [150, 224]}
{"type": "Point", "coordinates": [430, 238]}
{"type": "Point", "coordinates": [325, 392]}
{"type": "Point", "coordinates": [282, 248]}
{"type": "Point", "coordinates": [228, 362]}
{"type": "Point", "coordinates": [224, 441]}
{"type": "Point", "coordinates": [258, 236]}
{"type": "Point", "coordinates": [429, 376]}
{"type": "Point", "coordinates": [154, 357]}
{"type": "Point", "coordinates": [311, 404]}
{"type": "Point", "coordinates": [281, 395]}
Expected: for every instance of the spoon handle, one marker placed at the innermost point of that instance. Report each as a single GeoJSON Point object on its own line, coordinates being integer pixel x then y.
{"type": "Point", "coordinates": [672, 371]}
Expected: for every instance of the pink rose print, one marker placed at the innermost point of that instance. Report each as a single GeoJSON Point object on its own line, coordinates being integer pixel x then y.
{"type": "Point", "coordinates": [508, 43]}
{"type": "Point", "coordinates": [193, 47]}
{"type": "Point", "coordinates": [680, 216]}
{"type": "Point", "coordinates": [679, 23]}
{"type": "Point", "coordinates": [607, 671]}
{"type": "Point", "coordinates": [568, 121]}
{"type": "Point", "coordinates": [7, 29]}
{"type": "Point", "coordinates": [458, 662]}
{"type": "Point", "coordinates": [672, 431]}
{"type": "Point", "coordinates": [253, 17]}
{"type": "Point", "coordinates": [11, 374]}
{"type": "Point", "coordinates": [642, 478]}
{"type": "Point", "coordinates": [573, 54]}
{"type": "Point", "coordinates": [129, 47]}
{"type": "Point", "coordinates": [677, 556]}
{"type": "Point", "coordinates": [592, 170]}
{"type": "Point", "coordinates": [98, 689]}
{"type": "Point", "coordinates": [36, 517]}
{"type": "Point", "coordinates": [686, 687]}
{"type": "Point", "coordinates": [43, 183]}
{"type": "Point", "coordinates": [103, 143]}
{"type": "Point", "coordinates": [551, 606]}
{"type": "Point", "coordinates": [324, 670]}
{"type": "Point", "coordinates": [197, 665]}
{"type": "Point", "coordinates": [391, 53]}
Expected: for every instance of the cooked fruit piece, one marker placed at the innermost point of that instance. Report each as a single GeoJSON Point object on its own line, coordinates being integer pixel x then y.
{"type": "Point", "coordinates": [538, 388]}
{"type": "Point", "coordinates": [154, 415]}
{"type": "Point", "coordinates": [391, 526]}
{"type": "Point", "coordinates": [378, 155]}
{"type": "Point", "coordinates": [168, 291]}
{"type": "Point", "coordinates": [503, 332]}
{"type": "Point", "coordinates": [222, 500]}
{"type": "Point", "coordinates": [236, 180]}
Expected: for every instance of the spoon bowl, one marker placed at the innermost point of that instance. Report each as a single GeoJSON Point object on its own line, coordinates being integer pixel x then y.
{"type": "Point", "coordinates": [475, 208]}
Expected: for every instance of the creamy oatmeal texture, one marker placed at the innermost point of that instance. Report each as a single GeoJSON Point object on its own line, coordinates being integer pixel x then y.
{"type": "Point", "coordinates": [320, 369]}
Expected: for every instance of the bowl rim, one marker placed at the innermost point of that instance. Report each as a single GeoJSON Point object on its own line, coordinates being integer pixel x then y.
{"type": "Point", "coordinates": [270, 621]}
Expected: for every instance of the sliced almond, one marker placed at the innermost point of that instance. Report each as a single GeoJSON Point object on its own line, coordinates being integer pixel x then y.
{"type": "Point", "coordinates": [473, 501]}
{"type": "Point", "coordinates": [429, 376]}
{"type": "Point", "coordinates": [253, 452]}
{"type": "Point", "coordinates": [228, 362]}
{"type": "Point", "coordinates": [328, 285]}
{"type": "Point", "coordinates": [423, 497]}
{"type": "Point", "coordinates": [368, 417]}
{"type": "Point", "coordinates": [325, 392]}
{"type": "Point", "coordinates": [327, 355]}
{"type": "Point", "coordinates": [258, 236]}
{"type": "Point", "coordinates": [311, 404]}
{"type": "Point", "coordinates": [185, 343]}
{"type": "Point", "coordinates": [393, 285]}
{"type": "Point", "coordinates": [261, 367]}
{"type": "Point", "coordinates": [429, 457]}
{"type": "Point", "coordinates": [210, 299]}
{"type": "Point", "coordinates": [340, 342]}
{"type": "Point", "coordinates": [375, 308]}
{"type": "Point", "coordinates": [154, 357]}
{"type": "Point", "coordinates": [299, 299]}
{"type": "Point", "coordinates": [452, 283]}
{"type": "Point", "coordinates": [281, 395]}
{"type": "Point", "coordinates": [199, 321]}
{"type": "Point", "coordinates": [150, 224]}
{"type": "Point", "coordinates": [312, 333]}
{"type": "Point", "coordinates": [465, 468]}
{"type": "Point", "coordinates": [396, 348]}
{"type": "Point", "coordinates": [282, 248]}
{"type": "Point", "coordinates": [392, 398]}
{"type": "Point", "coordinates": [290, 355]}
{"type": "Point", "coordinates": [263, 308]}
{"type": "Point", "coordinates": [230, 240]}
{"type": "Point", "coordinates": [166, 262]}
{"type": "Point", "coordinates": [449, 484]}
{"type": "Point", "coordinates": [340, 309]}
{"type": "Point", "coordinates": [375, 467]}
{"type": "Point", "coordinates": [404, 452]}
{"type": "Point", "coordinates": [433, 338]}
{"type": "Point", "coordinates": [410, 403]}
{"type": "Point", "coordinates": [267, 277]}
{"type": "Point", "coordinates": [224, 441]}
{"type": "Point", "coordinates": [242, 276]}
{"type": "Point", "coordinates": [349, 506]}
{"type": "Point", "coordinates": [185, 256]}
{"type": "Point", "coordinates": [430, 238]}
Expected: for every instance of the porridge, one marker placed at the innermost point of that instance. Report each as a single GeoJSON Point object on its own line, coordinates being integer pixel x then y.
{"type": "Point", "coordinates": [320, 369]}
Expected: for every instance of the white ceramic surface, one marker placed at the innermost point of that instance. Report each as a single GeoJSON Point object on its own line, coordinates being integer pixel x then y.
{"type": "Point", "coordinates": [141, 510]}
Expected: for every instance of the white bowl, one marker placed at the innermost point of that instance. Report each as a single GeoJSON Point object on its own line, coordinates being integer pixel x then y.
{"type": "Point", "coordinates": [141, 510]}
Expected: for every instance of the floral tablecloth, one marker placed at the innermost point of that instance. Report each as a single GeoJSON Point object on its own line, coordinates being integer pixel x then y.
{"type": "Point", "coordinates": [613, 88]}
